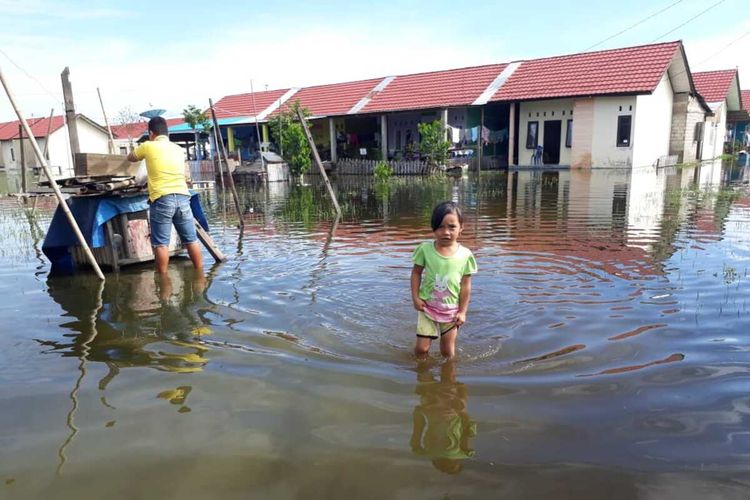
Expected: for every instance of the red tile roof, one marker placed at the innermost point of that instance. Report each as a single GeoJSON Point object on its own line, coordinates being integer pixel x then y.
{"type": "Point", "coordinates": [714, 85]}
{"type": "Point", "coordinates": [9, 130]}
{"type": "Point", "coordinates": [331, 100]}
{"type": "Point", "coordinates": [437, 89]}
{"type": "Point", "coordinates": [234, 106]}
{"type": "Point", "coordinates": [746, 100]}
{"type": "Point", "coordinates": [631, 70]}
{"type": "Point", "coordinates": [137, 129]}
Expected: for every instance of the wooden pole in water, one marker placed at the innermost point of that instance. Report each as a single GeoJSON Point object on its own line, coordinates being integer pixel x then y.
{"type": "Point", "coordinates": [316, 157]}
{"type": "Point", "coordinates": [61, 201]}
{"type": "Point", "coordinates": [49, 131]}
{"type": "Point", "coordinates": [24, 183]}
{"type": "Point", "coordinates": [229, 174]}
{"type": "Point", "coordinates": [480, 144]}
{"type": "Point", "coordinates": [106, 122]}
{"type": "Point", "coordinates": [70, 117]}
{"type": "Point", "coordinates": [216, 145]}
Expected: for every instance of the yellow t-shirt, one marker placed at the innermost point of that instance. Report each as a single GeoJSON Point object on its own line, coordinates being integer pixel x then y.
{"type": "Point", "coordinates": [165, 163]}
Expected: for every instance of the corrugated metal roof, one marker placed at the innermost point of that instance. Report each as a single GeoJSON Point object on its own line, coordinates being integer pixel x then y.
{"type": "Point", "coordinates": [714, 85]}
{"type": "Point", "coordinates": [631, 70]}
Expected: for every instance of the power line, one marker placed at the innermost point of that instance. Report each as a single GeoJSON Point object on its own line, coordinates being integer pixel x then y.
{"type": "Point", "coordinates": [633, 25]}
{"type": "Point", "coordinates": [725, 47]}
{"type": "Point", "coordinates": [688, 21]}
{"type": "Point", "coordinates": [54, 97]}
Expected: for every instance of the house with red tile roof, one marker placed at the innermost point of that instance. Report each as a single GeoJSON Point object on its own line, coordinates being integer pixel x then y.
{"type": "Point", "coordinates": [611, 108]}
{"type": "Point", "coordinates": [738, 123]}
{"type": "Point", "coordinates": [721, 91]}
{"type": "Point", "coordinates": [52, 136]}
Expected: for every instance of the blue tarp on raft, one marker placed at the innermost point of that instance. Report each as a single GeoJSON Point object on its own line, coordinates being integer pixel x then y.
{"type": "Point", "coordinates": [91, 213]}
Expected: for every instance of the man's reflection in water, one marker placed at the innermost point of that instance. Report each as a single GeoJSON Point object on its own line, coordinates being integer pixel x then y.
{"type": "Point", "coordinates": [133, 319]}
{"type": "Point", "coordinates": [141, 319]}
{"type": "Point", "coordinates": [442, 426]}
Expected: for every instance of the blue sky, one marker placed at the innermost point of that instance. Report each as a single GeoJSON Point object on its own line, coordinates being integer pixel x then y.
{"type": "Point", "coordinates": [170, 54]}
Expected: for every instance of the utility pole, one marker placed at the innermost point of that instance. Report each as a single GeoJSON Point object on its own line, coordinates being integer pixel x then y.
{"type": "Point", "coordinates": [70, 117]}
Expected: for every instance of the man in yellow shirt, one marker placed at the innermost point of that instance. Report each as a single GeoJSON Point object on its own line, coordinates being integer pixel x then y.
{"type": "Point", "coordinates": [168, 194]}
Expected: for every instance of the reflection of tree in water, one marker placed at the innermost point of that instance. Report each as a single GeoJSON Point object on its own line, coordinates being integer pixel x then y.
{"type": "Point", "coordinates": [442, 426]}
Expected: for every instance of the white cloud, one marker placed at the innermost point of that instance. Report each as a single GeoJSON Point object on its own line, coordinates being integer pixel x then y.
{"type": "Point", "coordinates": [190, 72]}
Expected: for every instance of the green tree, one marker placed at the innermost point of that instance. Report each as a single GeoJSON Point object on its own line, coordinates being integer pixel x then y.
{"type": "Point", "coordinates": [433, 144]}
{"type": "Point", "coordinates": [287, 132]}
{"type": "Point", "coordinates": [194, 117]}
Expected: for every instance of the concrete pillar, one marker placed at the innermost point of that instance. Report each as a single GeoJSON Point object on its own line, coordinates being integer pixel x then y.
{"type": "Point", "coordinates": [230, 139]}
{"type": "Point", "coordinates": [384, 136]}
{"type": "Point", "coordinates": [511, 133]}
{"type": "Point", "coordinates": [332, 138]}
{"type": "Point", "coordinates": [265, 132]}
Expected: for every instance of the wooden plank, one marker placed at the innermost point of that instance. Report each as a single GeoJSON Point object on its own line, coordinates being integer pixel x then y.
{"type": "Point", "coordinates": [101, 164]}
{"type": "Point", "coordinates": [111, 244]}
{"type": "Point", "coordinates": [127, 240]}
{"type": "Point", "coordinates": [208, 242]}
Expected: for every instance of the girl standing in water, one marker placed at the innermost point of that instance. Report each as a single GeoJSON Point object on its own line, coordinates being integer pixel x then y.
{"type": "Point", "coordinates": [441, 282]}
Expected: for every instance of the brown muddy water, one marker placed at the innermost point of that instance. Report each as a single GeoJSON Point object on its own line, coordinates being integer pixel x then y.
{"type": "Point", "coordinates": [606, 353]}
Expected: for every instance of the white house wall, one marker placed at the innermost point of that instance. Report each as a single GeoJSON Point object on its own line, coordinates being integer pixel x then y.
{"type": "Point", "coordinates": [714, 130]}
{"type": "Point", "coordinates": [652, 124]}
{"type": "Point", "coordinates": [604, 150]}
{"type": "Point", "coordinates": [541, 111]}
{"type": "Point", "coordinates": [59, 149]}
{"type": "Point", "coordinates": [6, 159]}
{"type": "Point", "coordinates": [92, 139]}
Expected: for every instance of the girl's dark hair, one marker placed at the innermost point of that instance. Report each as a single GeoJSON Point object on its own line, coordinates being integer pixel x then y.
{"type": "Point", "coordinates": [441, 210]}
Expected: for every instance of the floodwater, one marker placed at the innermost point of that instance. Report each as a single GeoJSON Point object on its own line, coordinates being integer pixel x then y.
{"type": "Point", "coordinates": [606, 353]}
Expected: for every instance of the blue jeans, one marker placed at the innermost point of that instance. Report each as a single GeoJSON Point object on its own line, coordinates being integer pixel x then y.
{"type": "Point", "coordinates": [169, 209]}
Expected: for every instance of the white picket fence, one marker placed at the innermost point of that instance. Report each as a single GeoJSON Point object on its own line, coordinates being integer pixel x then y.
{"type": "Point", "coordinates": [347, 166]}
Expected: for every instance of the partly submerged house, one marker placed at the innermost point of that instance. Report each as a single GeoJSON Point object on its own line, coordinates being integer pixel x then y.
{"type": "Point", "coordinates": [611, 108]}
{"type": "Point", "coordinates": [738, 124]}
{"type": "Point", "coordinates": [52, 137]}
{"type": "Point", "coordinates": [721, 91]}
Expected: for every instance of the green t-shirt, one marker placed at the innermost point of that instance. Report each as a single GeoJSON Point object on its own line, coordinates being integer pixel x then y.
{"type": "Point", "coordinates": [441, 278]}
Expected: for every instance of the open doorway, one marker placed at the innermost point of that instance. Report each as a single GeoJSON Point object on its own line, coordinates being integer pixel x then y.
{"type": "Point", "coordinates": [552, 131]}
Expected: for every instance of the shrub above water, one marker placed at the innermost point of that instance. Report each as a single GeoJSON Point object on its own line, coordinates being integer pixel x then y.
{"type": "Point", "coordinates": [382, 170]}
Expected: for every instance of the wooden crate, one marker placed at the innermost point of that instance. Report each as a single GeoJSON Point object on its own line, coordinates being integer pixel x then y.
{"type": "Point", "coordinates": [127, 242]}
{"type": "Point", "coordinates": [90, 164]}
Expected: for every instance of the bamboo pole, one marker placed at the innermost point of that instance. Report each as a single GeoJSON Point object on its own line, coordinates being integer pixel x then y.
{"type": "Point", "coordinates": [106, 122]}
{"type": "Point", "coordinates": [316, 157]}
{"type": "Point", "coordinates": [257, 130]}
{"type": "Point", "coordinates": [61, 201]}
{"type": "Point", "coordinates": [216, 145]}
{"type": "Point", "coordinates": [229, 174]}
{"type": "Point", "coordinates": [24, 182]}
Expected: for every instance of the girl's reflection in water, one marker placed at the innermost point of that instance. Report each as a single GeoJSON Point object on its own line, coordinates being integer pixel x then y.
{"type": "Point", "coordinates": [442, 426]}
